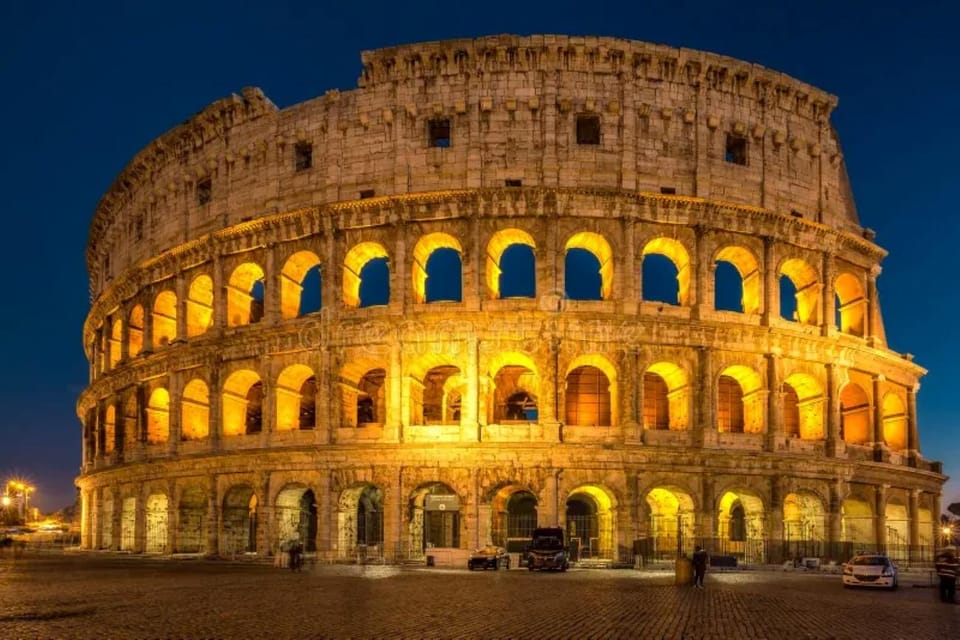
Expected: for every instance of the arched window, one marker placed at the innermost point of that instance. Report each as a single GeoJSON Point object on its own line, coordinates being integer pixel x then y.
{"type": "Point", "coordinates": [300, 282]}
{"type": "Point", "coordinates": [588, 397]}
{"type": "Point", "coordinates": [370, 399]}
{"type": "Point", "coordinates": [308, 403]}
{"type": "Point", "coordinates": [158, 416]}
{"type": "Point", "coordinates": [587, 256]}
{"type": "Point", "coordinates": [291, 401]}
{"type": "Point", "coordinates": [656, 405]}
{"type": "Point", "coordinates": [737, 280]}
{"type": "Point", "coordinates": [116, 339]}
{"type": "Point", "coordinates": [738, 523]}
{"type": "Point", "coordinates": [164, 319]}
{"type": "Point", "coordinates": [366, 276]}
{"type": "Point", "coordinates": [110, 429]}
{"type": "Point", "coordinates": [510, 265]}
{"type": "Point", "coordinates": [791, 411]}
{"type": "Point", "coordinates": [238, 392]}
{"type": "Point", "coordinates": [666, 272]}
{"type": "Point", "coordinates": [245, 295]}
{"type": "Point", "coordinates": [799, 291]}
{"type": "Point", "coordinates": [195, 410]}
{"type": "Point", "coordinates": [894, 422]}
{"type": "Point", "coordinates": [851, 304]}
{"type": "Point", "coordinates": [729, 406]}
{"type": "Point", "coordinates": [513, 394]}
{"type": "Point", "coordinates": [441, 395]}
{"type": "Point", "coordinates": [135, 331]}
{"type": "Point", "coordinates": [802, 407]}
{"type": "Point", "coordinates": [255, 409]}
{"type": "Point", "coordinates": [199, 306]}
{"type": "Point", "coordinates": [437, 269]}
{"type": "Point", "coordinates": [854, 414]}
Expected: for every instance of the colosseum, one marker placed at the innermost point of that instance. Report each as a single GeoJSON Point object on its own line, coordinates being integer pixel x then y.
{"type": "Point", "coordinates": [505, 282]}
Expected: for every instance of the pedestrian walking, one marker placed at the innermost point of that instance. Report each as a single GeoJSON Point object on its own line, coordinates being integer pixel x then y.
{"type": "Point", "coordinates": [947, 568]}
{"type": "Point", "coordinates": [296, 555]}
{"type": "Point", "coordinates": [700, 557]}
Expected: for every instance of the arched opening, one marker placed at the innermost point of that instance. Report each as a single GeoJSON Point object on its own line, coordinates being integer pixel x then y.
{"type": "Point", "coordinates": [740, 526]}
{"type": "Point", "coordinates": [195, 410]}
{"type": "Point", "coordinates": [239, 519]}
{"type": "Point", "coordinates": [804, 525]}
{"type": "Point", "coordinates": [851, 304]}
{"type": "Point", "coordinates": [109, 428]}
{"type": "Point", "coordinates": [366, 276]}
{"type": "Point", "coordinates": [164, 319]}
{"type": "Point", "coordinates": [245, 295]}
{"type": "Point", "coordinates": [740, 401]}
{"type": "Point", "coordinates": [856, 525]}
{"type": "Point", "coordinates": [666, 272]}
{"type": "Point", "coordinates": [898, 531]}
{"type": "Point", "coordinates": [360, 522]}
{"type": "Point", "coordinates": [894, 422]}
{"type": "Point", "coordinates": [106, 521]}
{"type": "Point", "coordinates": [737, 280]}
{"type": "Point", "coordinates": [854, 414]}
{"type": "Point", "coordinates": [157, 522]}
{"type": "Point", "coordinates": [588, 397]}
{"type": "Point", "coordinates": [434, 518]}
{"type": "Point", "coordinates": [511, 265]}
{"type": "Point", "coordinates": [128, 523]}
{"type": "Point", "coordinates": [300, 283]}
{"type": "Point", "coordinates": [437, 269]}
{"type": "Point", "coordinates": [296, 516]}
{"type": "Point", "coordinates": [666, 397]}
{"type": "Point", "coordinates": [242, 395]}
{"type": "Point", "coordinates": [514, 517]}
{"type": "Point", "coordinates": [135, 331]}
{"type": "Point", "coordinates": [588, 255]}
{"type": "Point", "coordinates": [158, 416]}
{"type": "Point", "coordinates": [292, 404]}
{"type": "Point", "coordinates": [589, 520]}
{"type": "Point", "coordinates": [116, 339]}
{"type": "Point", "coordinates": [199, 306]}
{"type": "Point", "coordinates": [802, 407]}
{"type": "Point", "coordinates": [192, 521]}
{"type": "Point", "coordinates": [799, 291]}
{"type": "Point", "coordinates": [671, 529]}
{"type": "Point", "coordinates": [514, 395]}
{"type": "Point", "coordinates": [925, 539]}
{"type": "Point", "coordinates": [441, 396]}
{"type": "Point", "coordinates": [371, 403]}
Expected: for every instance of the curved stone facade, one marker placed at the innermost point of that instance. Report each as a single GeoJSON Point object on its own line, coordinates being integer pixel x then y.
{"type": "Point", "coordinates": [270, 356]}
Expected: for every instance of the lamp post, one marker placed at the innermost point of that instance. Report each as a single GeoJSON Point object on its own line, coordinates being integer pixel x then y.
{"type": "Point", "coordinates": [20, 491]}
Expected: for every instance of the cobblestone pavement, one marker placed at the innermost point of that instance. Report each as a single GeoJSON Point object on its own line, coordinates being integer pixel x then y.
{"type": "Point", "coordinates": [90, 596]}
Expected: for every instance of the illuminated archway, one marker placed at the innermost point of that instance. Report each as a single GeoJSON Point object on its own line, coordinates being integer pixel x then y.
{"type": "Point", "coordinates": [109, 428]}
{"type": "Point", "coordinates": [240, 520]}
{"type": "Point", "coordinates": [513, 517]}
{"type": "Point", "coordinates": [500, 242]}
{"type": "Point", "coordinates": [854, 414]}
{"type": "Point", "coordinates": [804, 285]}
{"type": "Point", "coordinates": [748, 268]}
{"type": "Point", "coordinates": [671, 527]}
{"type": "Point", "coordinates": [135, 325]}
{"type": "Point", "coordinates": [675, 252]}
{"type": "Point", "coordinates": [164, 319]}
{"type": "Point", "coordinates": [292, 278]}
{"type": "Point", "coordinates": [199, 306]}
{"type": "Point", "coordinates": [128, 523]}
{"type": "Point", "coordinates": [802, 407]}
{"type": "Point", "coordinates": [590, 522]}
{"type": "Point", "coordinates": [422, 252]}
{"type": "Point", "coordinates": [158, 416]}
{"type": "Point", "coordinates": [740, 401]}
{"type": "Point", "coordinates": [195, 410]}
{"type": "Point", "coordinates": [291, 401]}
{"type": "Point", "coordinates": [245, 295]}
{"type": "Point", "coordinates": [804, 525]}
{"type": "Point", "coordinates": [598, 246]}
{"type": "Point", "coordinates": [106, 521]}
{"type": "Point", "coordinates": [856, 525]}
{"type": "Point", "coordinates": [852, 307]}
{"type": "Point", "coordinates": [666, 397]}
{"type": "Point", "coordinates": [359, 256]}
{"type": "Point", "coordinates": [157, 523]}
{"type": "Point", "coordinates": [897, 522]}
{"type": "Point", "coordinates": [591, 386]}
{"type": "Point", "coordinates": [238, 411]}
{"type": "Point", "coordinates": [435, 520]}
{"type": "Point", "coordinates": [894, 422]}
{"type": "Point", "coordinates": [116, 339]}
{"type": "Point", "coordinates": [515, 388]}
{"type": "Point", "coordinates": [295, 510]}
{"type": "Point", "coordinates": [740, 518]}
{"type": "Point", "coordinates": [192, 521]}
{"type": "Point", "coordinates": [360, 521]}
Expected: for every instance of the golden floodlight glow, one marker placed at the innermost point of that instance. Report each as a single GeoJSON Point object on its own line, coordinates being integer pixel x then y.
{"type": "Point", "coordinates": [500, 242]}
{"type": "Point", "coordinates": [421, 255]}
{"type": "Point", "coordinates": [353, 264]}
{"type": "Point", "coordinates": [164, 319]}
{"type": "Point", "coordinates": [853, 304]}
{"type": "Point", "coordinates": [805, 281]}
{"type": "Point", "coordinates": [597, 245]}
{"type": "Point", "coordinates": [240, 293]}
{"type": "Point", "coordinates": [678, 255]}
{"type": "Point", "coordinates": [748, 267]}
{"type": "Point", "coordinates": [199, 306]}
{"type": "Point", "coordinates": [291, 281]}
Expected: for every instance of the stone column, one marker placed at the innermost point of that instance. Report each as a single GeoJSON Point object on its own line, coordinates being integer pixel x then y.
{"type": "Point", "coordinates": [214, 517]}
{"type": "Point", "coordinates": [469, 423]}
{"type": "Point", "coordinates": [394, 539]}
{"type": "Point", "coordinates": [828, 303]}
{"type": "Point", "coordinates": [219, 292]}
{"type": "Point", "coordinates": [268, 415]}
{"type": "Point", "coordinates": [265, 517]}
{"type": "Point", "coordinates": [86, 507]}
{"type": "Point", "coordinates": [699, 299]}
{"type": "Point", "coordinates": [876, 412]}
{"type": "Point", "coordinates": [124, 334]}
{"type": "Point", "coordinates": [173, 516]}
{"type": "Point", "coordinates": [835, 519]}
{"type": "Point", "coordinates": [629, 276]}
{"type": "Point", "coordinates": [770, 290]}
{"type": "Point", "coordinates": [147, 329]}
{"type": "Point", "coordinates": [181, 308]}
{"type": "Point", "coordinates": [708, 524]}
{"type": "Point", "coordinates": [392, 432]}
{"type": "Point", "coordinates": [873, 308]}
{"type": "Point", "coordinates": [631, 385]}
{"type": "Point", "coordinates": [96, 522]}
{"type": "Point", "coordinates": [833, 411]}
{"type": "Point", "coordinates": [880, 515]}
{"type": "Point", "coordinates": [140, 520]}
{"type": "Point", "coordinates": [935, 534]}
{"type": "Point", "coordinates": [774, 402]}
{"type": "Point", "coordinates": [472, 267]}
{"type": "Point", "coordinates": [913, 429]}
{"type": "Point", "coordinates": [324, 548]}
{"type": "Point", "coordinates": [913, 525]}
{"type": "Point", "coordinates": [775, 520]}
{"type": "Point", "coordinates": [173, 418]}
{"type": "Point", "coordinates": [400, 286]}
{"type": "Point", "coordinates": [272, 287]}
{"type": "Point", "coordinates": [116, 523]}
{"type": "Point", "coordinates": [548, 515]}
{"type": "Point", "coordinates": [705, 420]}
{"type": "Point", "coordinates": [216, 412]}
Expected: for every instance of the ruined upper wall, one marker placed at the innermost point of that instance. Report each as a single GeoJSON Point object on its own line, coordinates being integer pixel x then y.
{"type": "Point", "coordinates": [512, 103]}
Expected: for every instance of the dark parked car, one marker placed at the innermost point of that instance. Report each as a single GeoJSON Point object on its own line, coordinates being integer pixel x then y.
{"type": "Point", "coordinates": [489, 557]}
{"type": "Point", "coordinates": [547, 550]}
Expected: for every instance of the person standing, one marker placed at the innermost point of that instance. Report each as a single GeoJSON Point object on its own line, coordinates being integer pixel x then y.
{"type": "Point", "coordinates": [700, 557]}
{"type": "Point", "coordinates": [947, 569]}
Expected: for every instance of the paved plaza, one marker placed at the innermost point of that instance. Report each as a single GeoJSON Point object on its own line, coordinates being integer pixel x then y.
{"type": "Point", "coordinates": [94, 596]}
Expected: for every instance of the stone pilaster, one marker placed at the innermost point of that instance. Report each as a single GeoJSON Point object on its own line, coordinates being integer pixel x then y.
{"type": "Point", "coordinates": [828, 303]}
{"type": "Point", "coordinates": [771, 293]}
{"type": "Point", "coordinates": [774, 402]}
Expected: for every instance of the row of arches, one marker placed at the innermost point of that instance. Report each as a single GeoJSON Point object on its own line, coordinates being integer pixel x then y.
{"type": "Point", "coordinates": [512, 391]}
{"type": "Point", "coordinates": [509, 272]}
{"type": "Point", "coordinates": [739, 522]}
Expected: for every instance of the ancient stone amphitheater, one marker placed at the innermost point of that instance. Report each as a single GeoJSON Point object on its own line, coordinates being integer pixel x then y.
{"type": "Point", "coordinates": [505, 282]}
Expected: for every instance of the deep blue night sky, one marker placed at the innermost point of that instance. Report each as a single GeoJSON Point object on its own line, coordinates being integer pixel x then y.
{"type": "Point", "coordinates": [84, 89]}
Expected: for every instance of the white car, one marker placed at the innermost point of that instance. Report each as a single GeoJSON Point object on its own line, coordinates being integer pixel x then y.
{"type": "Point", "coordinates": [870, 570]}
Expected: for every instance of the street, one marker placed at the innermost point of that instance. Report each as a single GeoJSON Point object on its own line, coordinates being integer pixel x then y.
{"type": "Point", "coordinates": [73, 595]}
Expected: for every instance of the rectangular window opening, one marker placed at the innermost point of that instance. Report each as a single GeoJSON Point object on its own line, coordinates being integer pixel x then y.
{"type": "Point", "coordinates": [303, 156]}
{"type": "Point", "coordinates": [588, 129]}
{"type": "Point", "coordinates": [367, 193]}
{"type": "Point", "coordinates": [668, 191]}
{"type": "Point", "coordinates": [736, 151]}
{"type": "Point", "coordinates": [439, 132]}
{"type": "Point", "coordinates": [513, 183]}
{"type": "Point", "coordinates": [204, 191]}
{"type": "Point", "coordinates": [796, 214]}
